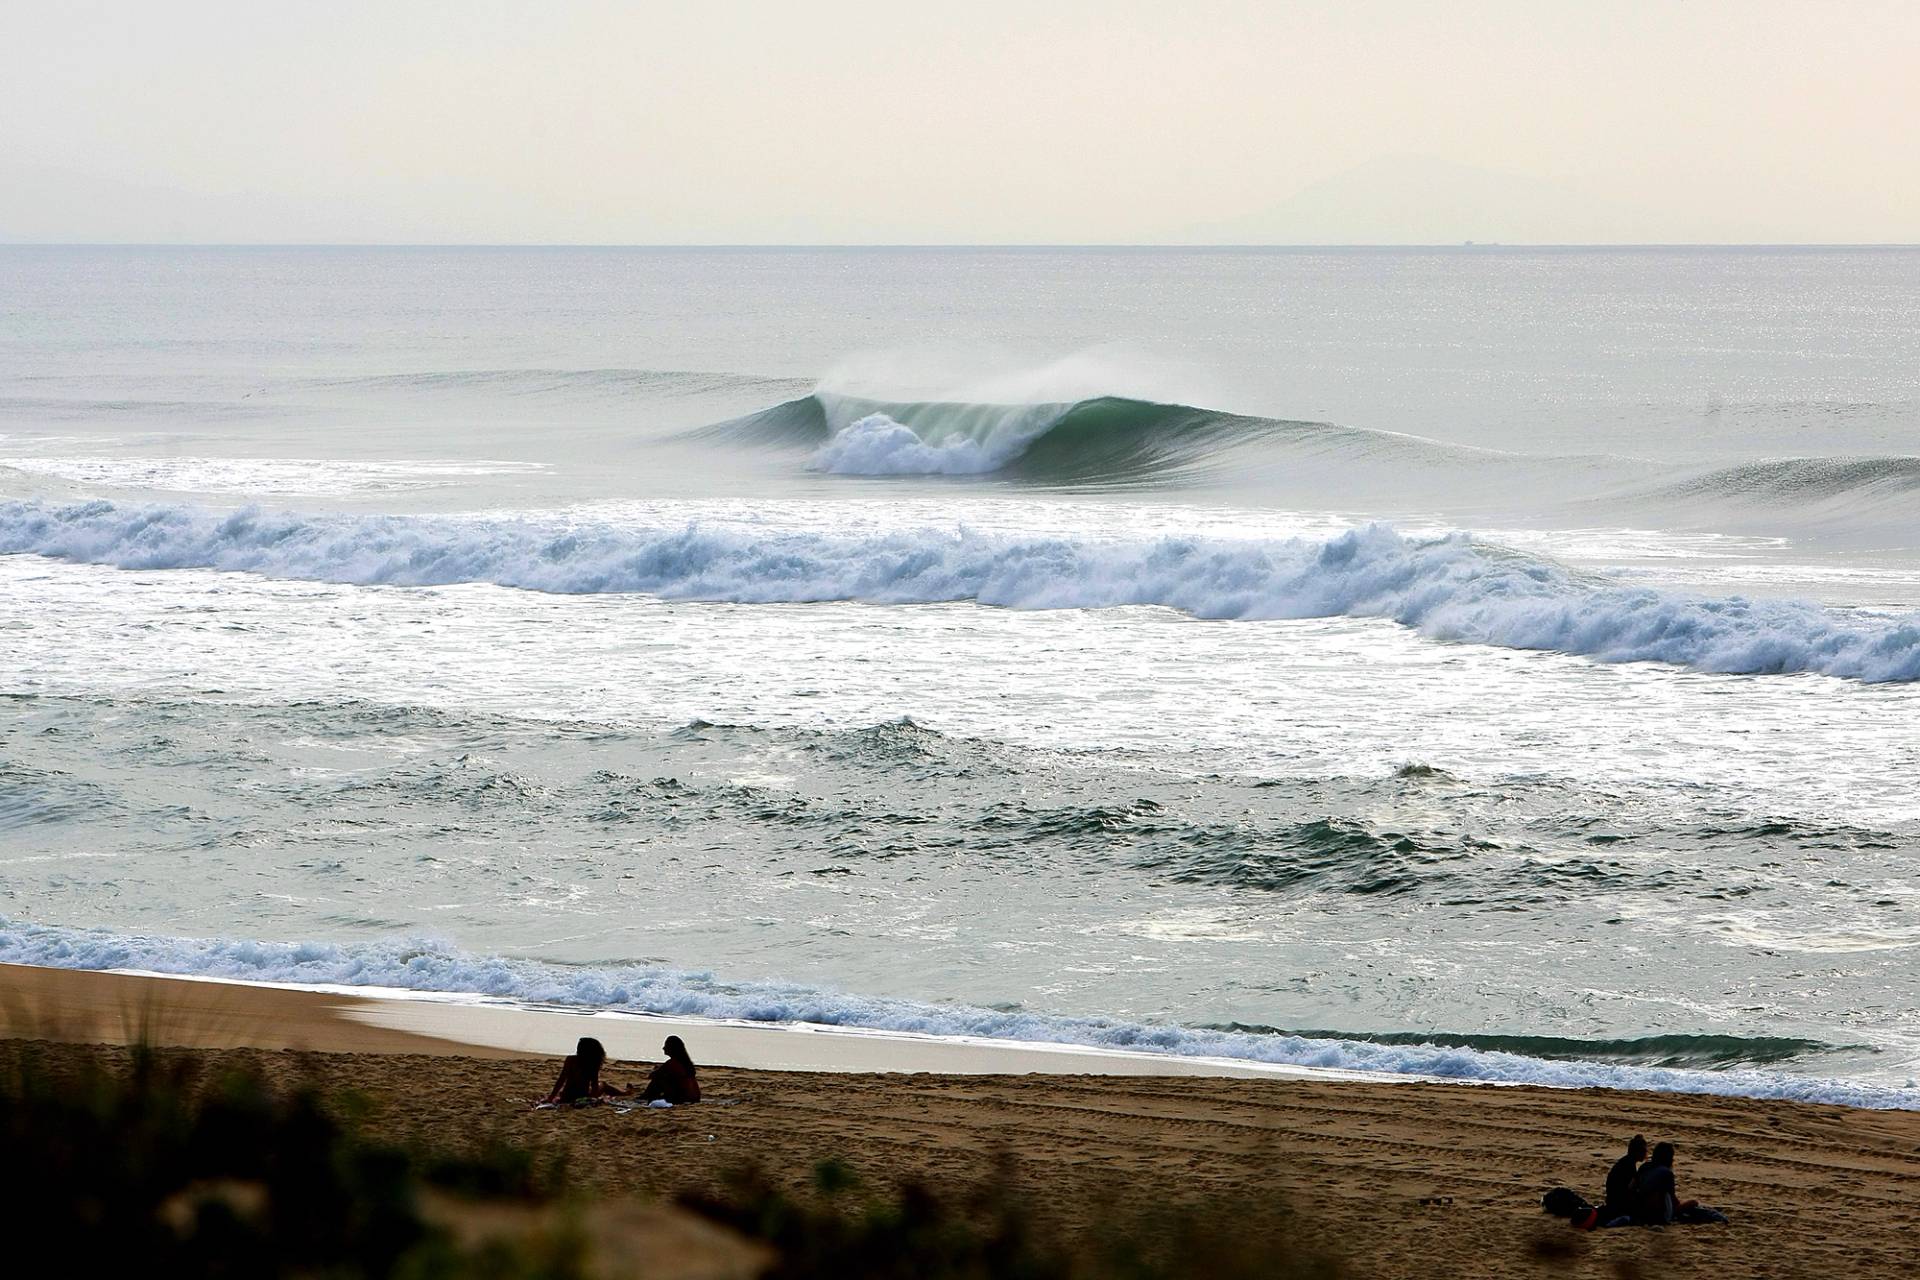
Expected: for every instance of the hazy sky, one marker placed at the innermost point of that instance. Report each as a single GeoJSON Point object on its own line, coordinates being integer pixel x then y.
{"type": "Point", "coordinates": [849, 121]}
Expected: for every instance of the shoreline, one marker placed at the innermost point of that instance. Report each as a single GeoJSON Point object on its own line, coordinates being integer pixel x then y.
{"type": "Point", "coordinates": [1404, 1177]}
{"type": "Point", "coordinates": [339, 1019]}
{"type": "Point", "coordinates": [349, 1017]}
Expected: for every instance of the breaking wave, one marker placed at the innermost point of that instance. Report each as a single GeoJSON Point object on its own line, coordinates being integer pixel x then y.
{"type": "Point", "coordinates": [1451, 588]}
{"type": "Point", "coordinates": [876, 445]}
{"type": "Point", "coordinates": [1105, 441]}
{"type": "Point", "coordinates": [425, 965]}
{"type": "Point", "coordinates": [1112, 443]}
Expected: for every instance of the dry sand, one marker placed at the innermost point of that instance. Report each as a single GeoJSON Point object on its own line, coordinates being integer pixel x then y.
{"type": "Point", "coordinates": [1403, 1179]}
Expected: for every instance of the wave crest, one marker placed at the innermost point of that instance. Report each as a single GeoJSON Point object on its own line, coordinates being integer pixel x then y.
{"type": "Point", "coordinates": [1102, 442]}
{"type": "Point", "coordinates": [876, 445]}
{"type": "Point", "coordinates": [1109, 442]}
{"type": "Point", "coordinates": [1451, 588]}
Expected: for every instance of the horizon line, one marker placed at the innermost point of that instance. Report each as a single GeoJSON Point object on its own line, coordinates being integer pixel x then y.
{"type": "Point", "coordinates": [974, 245]}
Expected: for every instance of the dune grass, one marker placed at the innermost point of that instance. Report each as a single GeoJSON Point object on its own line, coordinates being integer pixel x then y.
{"type": "Point", "coordinates": [161, 1169]}
{"type": "Point", "coordinates": [142, 1161]}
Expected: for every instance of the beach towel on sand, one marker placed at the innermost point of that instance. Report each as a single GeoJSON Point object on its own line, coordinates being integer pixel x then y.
{"type": "Point", "coordinates": [624, 1106]}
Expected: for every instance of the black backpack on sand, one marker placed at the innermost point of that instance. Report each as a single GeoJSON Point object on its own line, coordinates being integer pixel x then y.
{"type": "Point", "coordinates": [1564, 1203]}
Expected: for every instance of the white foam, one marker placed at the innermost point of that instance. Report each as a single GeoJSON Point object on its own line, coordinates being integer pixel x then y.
{"type": "Point", "coordinates": [876, 445]}
{"type": "Point", "coordinates": [938, 439]}
{"type": "Point", "coordinates": [1451, 587]}
{"type": "Point", "coordinates": [426, 965]}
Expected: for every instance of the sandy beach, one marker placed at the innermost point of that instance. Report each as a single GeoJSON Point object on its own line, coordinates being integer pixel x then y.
{"type": "Point", "coordinates": [1120, 641]}
{"type": "Point", "coordinates": [1402, 1179]}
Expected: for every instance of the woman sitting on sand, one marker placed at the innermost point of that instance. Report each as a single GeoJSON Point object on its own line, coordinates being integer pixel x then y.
{"type": "Point", "coordinates": [579, 1079]}
{"type": "Point", "coordinates": [1658, 1199]}
{"type": "Point", "coordinates": [676, 1080]}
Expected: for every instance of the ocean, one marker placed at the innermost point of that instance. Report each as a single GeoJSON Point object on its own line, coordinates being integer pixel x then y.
{"type": "Point", "coordinates": [1484, 662]}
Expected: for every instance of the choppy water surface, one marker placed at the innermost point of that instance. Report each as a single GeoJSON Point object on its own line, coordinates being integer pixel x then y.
{"type": "Point", "coordinates": [1494, 664]}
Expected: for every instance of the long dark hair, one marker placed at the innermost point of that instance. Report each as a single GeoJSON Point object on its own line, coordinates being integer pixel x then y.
{"type": "Point", "coordinates": [677, 1050]}
{"type": "Point", "coordinates": [590, 1052]}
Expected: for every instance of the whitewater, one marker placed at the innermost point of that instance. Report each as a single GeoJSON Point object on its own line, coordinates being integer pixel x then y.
{"type": "Point", "coordinates": [429, 965]}
{"type": "Point", "coordinates": [1451, 588]}
{"type": "Point", "coordinates": [1488, 664]}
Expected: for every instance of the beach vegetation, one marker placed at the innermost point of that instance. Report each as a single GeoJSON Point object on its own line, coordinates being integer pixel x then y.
{"type": "Point", "coordinates": [162, 1168]}
{"type": "Point", "coordinates": [913, 1232]}
{"type": "Point", "coordinates": [145, 1161]}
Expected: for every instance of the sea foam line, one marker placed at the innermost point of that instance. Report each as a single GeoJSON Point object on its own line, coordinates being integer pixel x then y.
{"type": "Point", "coordinates": [431, 966]}
{"type": "Point", "coordinates": [1451, 588]}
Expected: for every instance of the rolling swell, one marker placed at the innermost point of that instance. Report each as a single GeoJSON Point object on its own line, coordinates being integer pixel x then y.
{"type": "Point", "coordinates": [1804, 482]}
{"type": "Point", "coordinates": [1452, 588]}
{"type": "Point", "coordinates": [427, 965]}
{"type": "Point", "coordinates": [1712, 1052]}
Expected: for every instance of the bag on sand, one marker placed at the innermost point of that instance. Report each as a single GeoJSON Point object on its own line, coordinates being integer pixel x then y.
{"type": "Point", "coordinates": [1564, 1203]}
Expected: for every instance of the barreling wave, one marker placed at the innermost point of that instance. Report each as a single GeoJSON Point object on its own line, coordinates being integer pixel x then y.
{"type": "Point", "coordinates": [1105, 441]}
{"type": "Point", "coordinates": [1450, 588]}
{"type": "Point", "coordinates": [430, 966]}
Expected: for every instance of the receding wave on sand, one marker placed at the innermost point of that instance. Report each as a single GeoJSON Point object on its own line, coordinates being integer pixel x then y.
{"type": "Point", "coordinates": [425, 965]}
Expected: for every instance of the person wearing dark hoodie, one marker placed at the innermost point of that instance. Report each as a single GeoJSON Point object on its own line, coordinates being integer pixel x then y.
{"type": "Point", "coordinates": [579, 1079]}
{"type": "Point", "coordinates": [676, 1080]}
{"type": "Point", "coordinates": [1656, 1196]}
{"type": "Point", "coordinates": [1617, 1208]}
